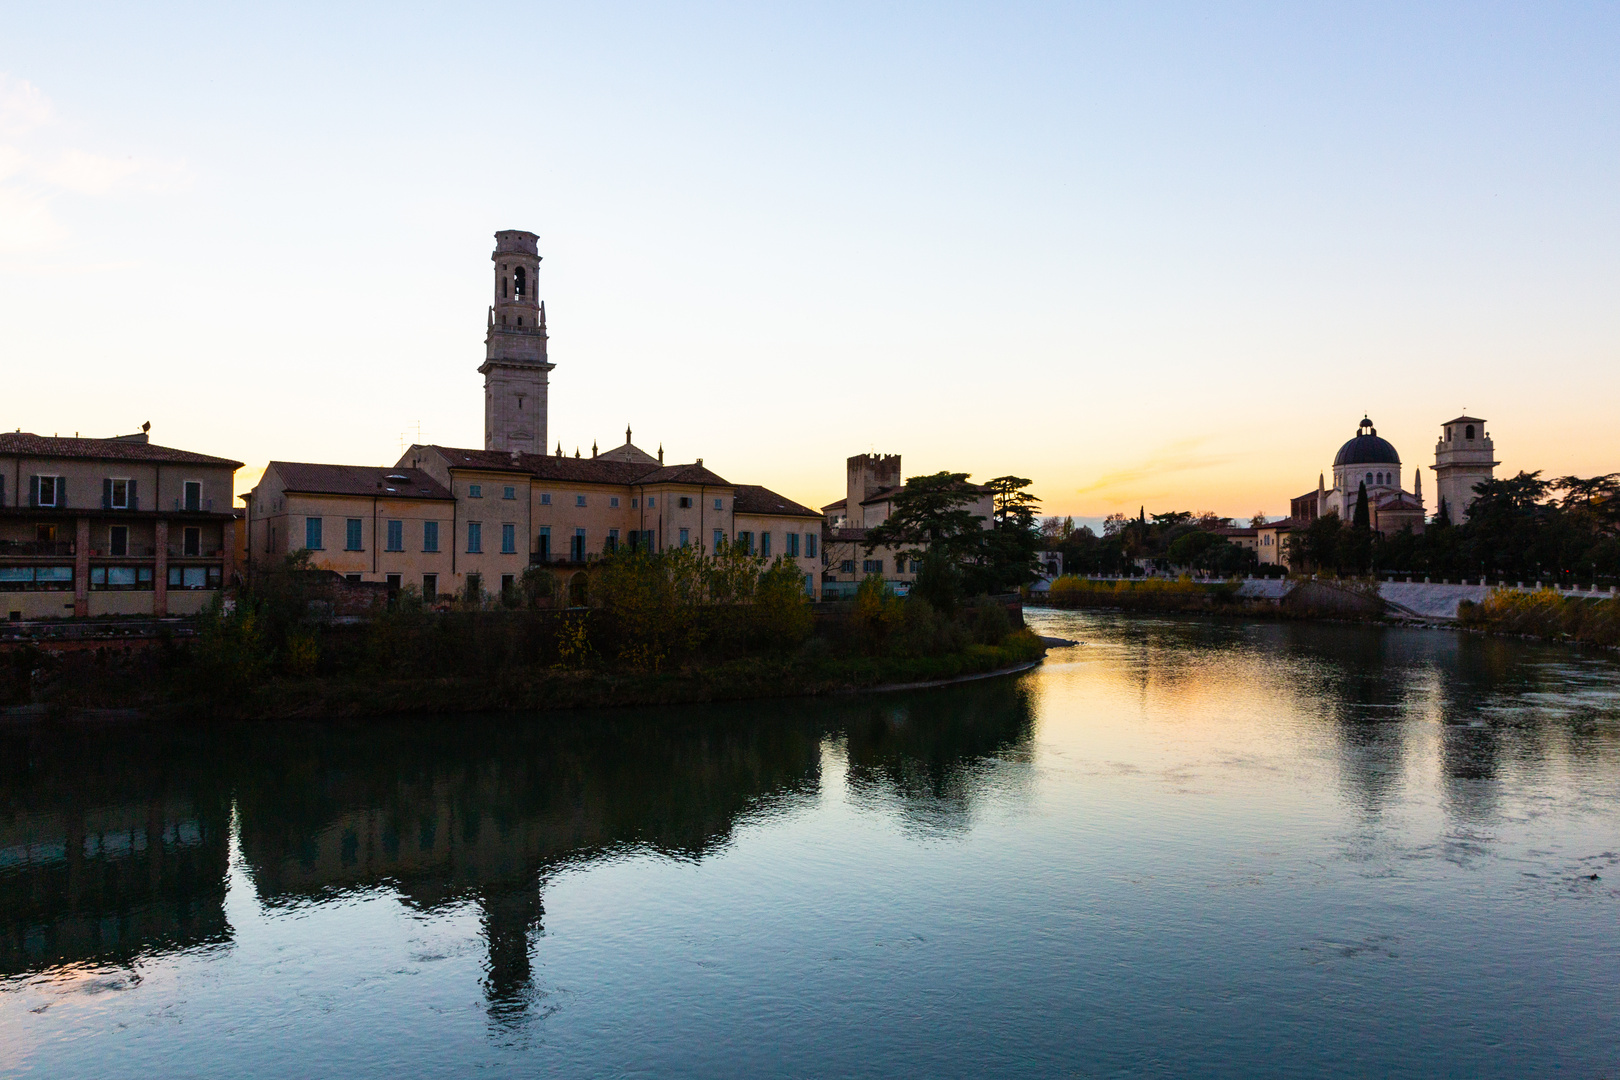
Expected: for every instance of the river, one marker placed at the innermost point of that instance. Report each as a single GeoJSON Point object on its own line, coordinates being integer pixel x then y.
{"type": "Point", "coordinates": [1182, 847]}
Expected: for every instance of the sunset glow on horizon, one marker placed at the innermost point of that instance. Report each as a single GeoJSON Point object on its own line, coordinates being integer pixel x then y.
{"type": "Point", "coordinates": [1155, 258]}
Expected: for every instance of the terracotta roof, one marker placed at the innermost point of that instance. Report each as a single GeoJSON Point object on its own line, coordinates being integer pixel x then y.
{"type": "Point", "coordinates": [841, 504]}
{"type": "Point", "coordinates": [1287, 524]}
{"type": "Point", "coordinates": [1464, 420]}
{"type": "Point", "coordinates": [583, 470]}
{"type": "Point", "coordinates": [311, 478]}
{"type": "Point", "coordinates": [849, 534]}
{"type": "Point", "coordinates": [753, 499]}
{"type": "Point", "coordinates": [493, 460]}
{"type": "Point", "coordinates": [683, 474]}
{"type": "Point", "coordinates": [31, 445]}
{"type": "Point", "coordinates": [884, 494]}
{"type": "Point", "coordinates": [1235, 530]}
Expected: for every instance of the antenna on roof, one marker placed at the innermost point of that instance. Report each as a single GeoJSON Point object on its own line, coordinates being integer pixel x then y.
{"type": "Point", "coordinates": [147, 426]}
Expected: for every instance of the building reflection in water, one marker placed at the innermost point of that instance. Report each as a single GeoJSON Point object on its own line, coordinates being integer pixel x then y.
{"type": "Point", "coordinates": [113, 845]}
{"type": "Point", "coordinates": [114, 842]}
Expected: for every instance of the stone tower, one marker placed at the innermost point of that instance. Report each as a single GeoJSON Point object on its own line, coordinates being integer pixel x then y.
{"type": "Point", "coordinates": [515, 366]}
{"type": "Point", "coordinates": [1462, 458]}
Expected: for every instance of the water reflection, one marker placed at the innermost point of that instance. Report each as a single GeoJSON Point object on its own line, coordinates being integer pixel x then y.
{"type": "Point", "coordinates": [114, 842]}
{"type": "Point", "coordinates": [110, 846]}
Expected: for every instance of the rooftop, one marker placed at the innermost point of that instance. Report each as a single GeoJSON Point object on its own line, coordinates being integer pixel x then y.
{"type": "Point", "coordinates": [313, 478]}
{"type": "Point", "coordinates": [118, 449]}
{"type": "Point", "coordinates": [753, 499]}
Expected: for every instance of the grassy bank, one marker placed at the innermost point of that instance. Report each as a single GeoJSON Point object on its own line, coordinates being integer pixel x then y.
{"type": "Point", "coordinates": [101, 684]}
{"type": "Point", "coordinates": [1545, 614]}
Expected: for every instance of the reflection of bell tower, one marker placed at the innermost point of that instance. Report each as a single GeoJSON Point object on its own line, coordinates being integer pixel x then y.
{"type": "Point", "coordinates": [515, 364]}
{"type": "Point", "coordinates": [510, 915]}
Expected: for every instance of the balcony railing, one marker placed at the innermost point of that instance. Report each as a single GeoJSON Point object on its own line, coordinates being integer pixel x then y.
{"type": "Point", "coordinates": [36, 547]}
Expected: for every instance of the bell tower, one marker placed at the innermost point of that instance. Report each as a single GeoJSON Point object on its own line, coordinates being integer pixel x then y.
{"type": "Point", "coordinates": [1463, 456]}
{"type": "Point", "coordinates": [515, 367]}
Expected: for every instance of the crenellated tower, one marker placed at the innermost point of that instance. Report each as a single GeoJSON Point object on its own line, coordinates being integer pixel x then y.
{"type": "Point", "coordinates": [515, 367]}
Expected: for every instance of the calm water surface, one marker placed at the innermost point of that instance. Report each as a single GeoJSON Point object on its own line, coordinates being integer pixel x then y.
{"type": "Point", "coordinates": [1181, 848]}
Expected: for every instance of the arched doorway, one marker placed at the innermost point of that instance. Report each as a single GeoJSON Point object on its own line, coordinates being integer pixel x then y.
{"type": "Point", "coordinates": [577, 589]}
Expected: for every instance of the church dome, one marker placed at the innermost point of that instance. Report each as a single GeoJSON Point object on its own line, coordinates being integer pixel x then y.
{"type": "Point", "coordinates": [1366, 448]}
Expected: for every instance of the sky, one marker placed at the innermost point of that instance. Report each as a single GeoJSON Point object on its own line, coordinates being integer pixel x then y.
{"type": "Point", "coordinates": [1142, 254]}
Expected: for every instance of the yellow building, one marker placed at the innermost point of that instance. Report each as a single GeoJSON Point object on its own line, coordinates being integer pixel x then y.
{"type": "Point", "coordinates": [367, 523]}
{"type": "Point", "coordinates": [120, 526]}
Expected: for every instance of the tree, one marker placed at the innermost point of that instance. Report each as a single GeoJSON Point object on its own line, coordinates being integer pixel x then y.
{"type": "Point", "coordinates": [931, 515]}
{"type": "Point", "coordinates": [1011, 549]}
{"type": "Point", "coordinates": [1258, 519]}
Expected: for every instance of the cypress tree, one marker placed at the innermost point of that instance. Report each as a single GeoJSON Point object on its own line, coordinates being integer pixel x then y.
{"type": "Point", "coordinates": [1363, 518]}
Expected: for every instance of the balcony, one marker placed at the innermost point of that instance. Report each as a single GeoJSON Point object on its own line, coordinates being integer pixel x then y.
{"type": "Point", "coordinates": [36, 547]}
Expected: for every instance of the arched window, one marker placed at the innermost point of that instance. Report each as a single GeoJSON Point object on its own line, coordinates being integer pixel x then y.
{"type": "Point", "coordinates": [503, 288]}
{"type": "Point", "coordinates": [1468, 432]}
{"type": "Point", "coordinates": [520, 283]}
{"type": "Point", "coordinates": [1369, 478]}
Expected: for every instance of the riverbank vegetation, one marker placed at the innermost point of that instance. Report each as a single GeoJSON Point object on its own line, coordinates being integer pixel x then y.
{"type": "Point", "coordinates": [1545, 614]}
{"type": "Point", "coordinates": [1181, 539]}
{"type": "Point", "coordinates": [1522, 528]}
{"type": "Point", "coordinates": [665, 627]}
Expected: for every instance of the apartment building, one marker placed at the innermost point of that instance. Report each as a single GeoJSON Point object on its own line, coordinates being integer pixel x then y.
{"type": "Point", "coordinates": [119, 526]}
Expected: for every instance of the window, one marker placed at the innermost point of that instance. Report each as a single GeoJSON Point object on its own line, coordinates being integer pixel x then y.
{"type": "Point", "coordinates": [1468, 431]}
{"type": "Point", "coordinates": [576, 550]}
{"type": "Point", "coordinates": [719, 539]}
{"type": "Point", "coordinates": [634, 503]}
{"type": "Point", "coordinates": [475, 587]}
{"type": "Point", "coordinates": [475, 537]}
{"type": "Point", "coordinates": [191, 541]}
{"type": "Point", "coordinates": [647, 539]}
{"type": "Point", "coordinates": [544, 543]}
{"type": "Point", "coordinates": [765, 545]}
{"type": "Point", "coordinates": [579, 500]}
{"type": "Point", "coordinates": [193, 490]}
{"type": "Point", "coordinates": [847, 566]}
{"type": "Point", "coordinates": [430, 536]}
{"type": "Point", "coordinates": [613, 501]}
{"type": "Point", "coordinates": [508, 539]}
{"type": "Point", "coordinates": [194, 577]}
{"type": "Point", "coordinates": [48, 491]}
{"type": "Point", "coordinates": [312, 534]}
{"type": "Point", "coordinates": [120, 578]}
{"type": "Point", "coordinates": [651, 502]}
{"type": "Point", "coordinates": [810, 539]}
{"type": "Point", "coordinates": [353, 534]}
{"type": "Point", "coordinates": [545, 498]}
{"type": "Point", "coordinates": [686, 502]}
{"type": "Point", "coordinates": [809, 584]}
{"type": "Point", "coordinates": [509, 492]}
{"type": "Point", "coordinates": [353, 579]}
{"type": "Point", "coordinates": [475, 491]}
{"type": "Point", "coordinates": [790, 545]}
{"type": "Point", "coordinates": [717, 504]}
{"type": "Point", "coordinates": [871, 566]}
{"type": "Point", "coordinates": [745, 540]}
{"type": "Point", "coordinates": [118, 540]}
{"type": "Point", "coordinates": [686, 538]}
{"type": "Point", "coordinates": [393, 581]}
{"type": "Point", "coordinates": [430, 587]}
{"type": "Point", "coordinates": [612, 541]}
{"type": "Point", "coordinates": [396, 536]}
{"type": "Point", "coordinates": [508, 586]}
{"type": "Point", "coordinates": [118, 492]}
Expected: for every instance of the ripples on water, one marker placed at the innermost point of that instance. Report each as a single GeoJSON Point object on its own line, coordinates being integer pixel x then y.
{"type": "Point", "coordinates": [1182, 848]}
